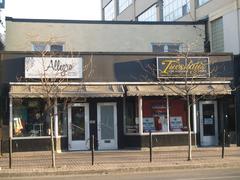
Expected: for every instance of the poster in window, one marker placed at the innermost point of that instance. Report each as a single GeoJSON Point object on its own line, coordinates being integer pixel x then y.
{"type": "Point", "coordinates": [208, 121]}
{"type": "Point", "coordinates": [160, 117]}
{"type": "Point", "coordinates": [176, 123]}
{"type": "Point", "coordinates": [148, 124]}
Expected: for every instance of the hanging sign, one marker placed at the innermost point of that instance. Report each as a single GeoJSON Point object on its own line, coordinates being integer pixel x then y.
{"type": "Point", "coordinates": [53, 67]}
{"type": "Point", "coordinates": [183, 67]}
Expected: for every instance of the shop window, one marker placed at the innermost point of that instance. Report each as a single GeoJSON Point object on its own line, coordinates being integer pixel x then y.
{"type": "Point", "coordinates": [30, 118]}
{"type": "Point", "coordinates": [177, 115]}
{"type": "Point", "coordinates": [62, 119]}
{"type": "Point", "coordinates": [131, 125]}
{"type": "Point", "coordinates": [155, 114]}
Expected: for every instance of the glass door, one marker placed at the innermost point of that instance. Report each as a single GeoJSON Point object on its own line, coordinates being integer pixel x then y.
{"type": "Point", "coordinates": [208, 123]}
{"type": "Point", "coordinates": [78, 126]}
{"type": "Point", "coordinates": [107, 126]}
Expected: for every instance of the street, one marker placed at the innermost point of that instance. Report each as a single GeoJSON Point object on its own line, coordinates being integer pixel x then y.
{"type": "Point", "coordinates": [195, 174]}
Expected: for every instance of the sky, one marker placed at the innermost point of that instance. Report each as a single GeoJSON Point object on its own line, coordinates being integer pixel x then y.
{"type": "Point", "coordinates": [54, 9]}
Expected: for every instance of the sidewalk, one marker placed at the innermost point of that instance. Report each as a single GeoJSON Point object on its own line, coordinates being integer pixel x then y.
{"type": "Point", "coordinates": [120, 161]}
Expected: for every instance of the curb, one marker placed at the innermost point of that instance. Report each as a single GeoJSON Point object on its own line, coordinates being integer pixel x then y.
{"type": "Point", "coordinates": [117, 170]}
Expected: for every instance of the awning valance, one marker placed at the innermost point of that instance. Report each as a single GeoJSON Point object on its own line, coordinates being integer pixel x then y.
{"type": "Point", "coordinates": [178, 90]}
{"type": "Point", "coordinates": [33, 91]}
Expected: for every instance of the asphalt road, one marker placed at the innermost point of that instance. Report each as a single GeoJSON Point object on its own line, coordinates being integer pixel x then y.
{"type": "Point", "coordinates": [196, 174]}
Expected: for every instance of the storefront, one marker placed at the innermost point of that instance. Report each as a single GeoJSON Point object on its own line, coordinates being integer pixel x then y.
{"type": "Point", "coordinates": [119, 98]}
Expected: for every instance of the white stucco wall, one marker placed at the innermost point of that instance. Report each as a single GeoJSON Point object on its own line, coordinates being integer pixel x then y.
{"type": "Point", "coordinates": [102, 37]}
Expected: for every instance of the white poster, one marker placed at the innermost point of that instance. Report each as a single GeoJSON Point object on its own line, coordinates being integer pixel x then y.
{"type": "Point", "coordinates": [53, 67]}
{"type": "Point", "coordinates": [148, 124]}
{"type": "Point", "coordinates": [176, 123]}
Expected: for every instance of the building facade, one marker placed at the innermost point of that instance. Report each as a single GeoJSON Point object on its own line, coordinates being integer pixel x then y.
{"type": "Point", "coordinates": [219, 14]}
{"type": "Point", "coordinates": [97, 36]}
{"type": "Point", "coordinates": [118, 98]}
{"type": "Point", "coordinates": [2, 25]}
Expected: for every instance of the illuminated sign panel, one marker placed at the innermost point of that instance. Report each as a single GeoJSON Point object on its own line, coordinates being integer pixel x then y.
{"type": "Point", "coordinates": [183, 67]}
{"type": "Point", "coordinates": [53, 67]}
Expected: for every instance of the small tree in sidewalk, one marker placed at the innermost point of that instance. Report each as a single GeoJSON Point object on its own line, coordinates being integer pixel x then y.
{"type": "Point", "coordinates": [51, 73]}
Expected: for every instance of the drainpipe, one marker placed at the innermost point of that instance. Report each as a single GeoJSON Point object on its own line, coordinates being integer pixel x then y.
{"type": "Point", "coordinates": [238, 19]}
{"type": "Point", "coordinates": [207, 41]}
{"type": "Point", "coordinates": [160, 10]}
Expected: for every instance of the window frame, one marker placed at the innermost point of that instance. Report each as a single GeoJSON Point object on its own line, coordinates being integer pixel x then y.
{"type": "Point", "coordinates": [140, 125]}
{"type": "Point", "coordinates": [173, 10]}
{"type": "Point", "coordinates": [113, 9]}
{"type": "Point", "coordinates": [125, 4]}
{"type": "Point", "coordinates": [166, 45]}
{"type": "Point", "coordinates": [146, 11]}
{"type": "Point", "coordinates": [201, 4]}
{"type": "Point", "coordinates": [48, 46]}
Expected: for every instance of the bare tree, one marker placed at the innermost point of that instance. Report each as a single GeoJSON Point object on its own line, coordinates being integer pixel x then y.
{"type": "Point", "coordinates": [53, 79]}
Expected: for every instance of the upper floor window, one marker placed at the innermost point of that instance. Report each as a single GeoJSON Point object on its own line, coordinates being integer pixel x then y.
{"type": "Point", "coordinates": [166, 47]}
{"type": "Point", "coordinates": [217, 35]}
{"type": "Point", "coordinates": [2, 3]}
{"type": "Point", "coordinates": [201, 2]}
{"type": "Point", "coordinates": [123, 4]}
{"type": "Point", "coordinates": [41, 46]}
{"type": "Point", "coordinates": [149, 15]}
{"type": "Point", "coordinates": [174, 9]}
{"type": "Point", "coordinates": [109, 11]}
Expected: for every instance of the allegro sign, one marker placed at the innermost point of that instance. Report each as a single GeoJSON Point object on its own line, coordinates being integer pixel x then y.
{"type": "Point", "coordinates": [53, 67]}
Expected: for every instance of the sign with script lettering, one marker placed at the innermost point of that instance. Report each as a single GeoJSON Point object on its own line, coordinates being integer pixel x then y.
{"type": "Point", "coordinates": [182, 67]}
{"type": "Point", "coordinates": [53, 67]}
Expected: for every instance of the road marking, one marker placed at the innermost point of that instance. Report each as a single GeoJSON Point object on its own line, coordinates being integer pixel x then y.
{"type": "Point", "coordinates": [222, 177]}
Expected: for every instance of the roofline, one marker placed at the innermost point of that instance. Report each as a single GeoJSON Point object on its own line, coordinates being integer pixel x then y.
{"type": "Point", "coordinates": [123, 83]}
{"type": "Point", "coordinates": [75, 53]}
{"type": "Point", "coordinates": [200, 22]}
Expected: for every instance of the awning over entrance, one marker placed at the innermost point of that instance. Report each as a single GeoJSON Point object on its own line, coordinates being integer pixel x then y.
{"type": "Point", "coordinates": [176, 90]}
{"type": "Point", "coordinates": [32, 91]}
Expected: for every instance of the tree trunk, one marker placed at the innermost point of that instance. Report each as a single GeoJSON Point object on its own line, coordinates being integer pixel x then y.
{"type": "Point", "coordinates": [52, 142]}
{"type": "Point", "coordinates": [189, 131]}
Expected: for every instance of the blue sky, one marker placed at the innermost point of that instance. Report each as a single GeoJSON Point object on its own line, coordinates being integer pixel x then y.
{"type": "Point", "coordinates": [54, 9]}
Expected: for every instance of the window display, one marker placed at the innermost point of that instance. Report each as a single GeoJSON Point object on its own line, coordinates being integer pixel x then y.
{"type": "Point", "coordinates": [62, 119]}
{"type": "Point", "coordinates": [155, 114]}
{"type": "Point", "coordinates": [178, 114]}
{"type": "Point", "coordinates": [29, 118]}
{"type": "Point", "coordinates": [132, 125]}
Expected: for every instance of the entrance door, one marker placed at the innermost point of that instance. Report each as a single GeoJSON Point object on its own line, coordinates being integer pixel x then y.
{"type": "Point", "coordinates": [208, 123]}
{"type": "Point", "coordinates": [107, 126]}
{"type": "Point", "coordinates": [78, 126]}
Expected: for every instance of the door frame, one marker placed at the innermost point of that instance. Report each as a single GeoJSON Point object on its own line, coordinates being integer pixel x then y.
{"type": "Point", "coordinates": [208, 140]}
{"type": "Point", "coordinates": [100, 145]}
{"type": "Point", "coordinates": [78, 145]}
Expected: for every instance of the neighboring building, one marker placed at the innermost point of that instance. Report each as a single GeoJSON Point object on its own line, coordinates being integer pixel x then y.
{"type": "Point", "coordinates": [222, 17]}
{"type": "Point", "coordinates": [98, 36]}
{"type": "Point", "coordinates": [117, 97]}
{"type": "Point", "coordinates": [2, 24]}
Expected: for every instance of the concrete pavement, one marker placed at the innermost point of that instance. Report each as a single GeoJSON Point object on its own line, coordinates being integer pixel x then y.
{"type": "Point", "coordinates": [120, 161]}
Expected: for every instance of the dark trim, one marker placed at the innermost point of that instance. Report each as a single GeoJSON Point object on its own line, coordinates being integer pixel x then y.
{"type": "Point", "coordinates": [105, 22]}
{"type": "Point", "coordinates": [207, 46]}
{"type": "Point", "coordinates": [35, 53]}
